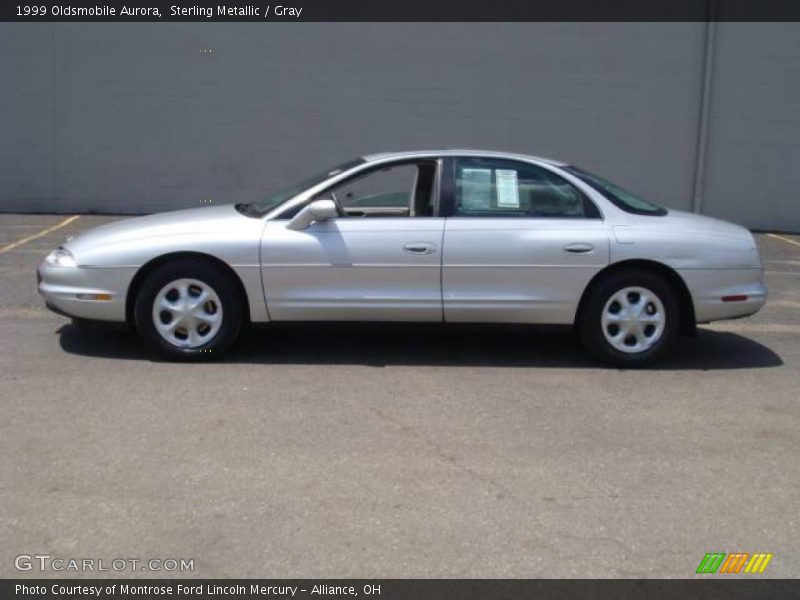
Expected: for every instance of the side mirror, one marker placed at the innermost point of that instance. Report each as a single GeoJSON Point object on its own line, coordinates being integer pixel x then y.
{"type": "Point", "coordinates": [318, 210]}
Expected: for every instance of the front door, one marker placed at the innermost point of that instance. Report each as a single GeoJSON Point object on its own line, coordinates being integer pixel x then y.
{"type": "Point", "coordinates": [380, 260]}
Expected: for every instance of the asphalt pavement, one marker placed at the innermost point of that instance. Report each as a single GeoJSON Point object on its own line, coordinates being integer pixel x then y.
{"type": "Point", "coordinates": [395, 452]}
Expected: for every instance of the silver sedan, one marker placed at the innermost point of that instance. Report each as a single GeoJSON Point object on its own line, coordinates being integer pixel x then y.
{"type": "Point", "coordinates": [451, 236]}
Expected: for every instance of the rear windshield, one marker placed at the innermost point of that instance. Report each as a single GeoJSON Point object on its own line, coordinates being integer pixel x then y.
{"type": "Point", "coordinates": [619, 197]}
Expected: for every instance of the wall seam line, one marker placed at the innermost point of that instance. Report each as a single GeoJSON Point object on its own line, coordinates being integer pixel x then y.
{"type": "Point", "coordinates": [701, 147]}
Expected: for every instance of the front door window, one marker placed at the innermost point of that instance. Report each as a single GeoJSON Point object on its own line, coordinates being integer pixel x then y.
{"type": "Point", "coordinates": [402, 190]}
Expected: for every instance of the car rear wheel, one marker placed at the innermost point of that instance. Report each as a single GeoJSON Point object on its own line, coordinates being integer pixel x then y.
{"type": "Point", "coordinates": [189, 310]}
{"type": "Point", "coordinates": [630, 318]}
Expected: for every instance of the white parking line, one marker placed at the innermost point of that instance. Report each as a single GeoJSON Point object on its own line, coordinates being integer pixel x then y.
{"type": "Point", "coordinates": [42, 233]}
{"type": "Point", "coordinates": [784, 239]}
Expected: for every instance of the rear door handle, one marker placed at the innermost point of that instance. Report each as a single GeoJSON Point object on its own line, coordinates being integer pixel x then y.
{"type": "Point", "coordinates": [578, 248]}
{"type": "Point", "coordinates": [419, 248]}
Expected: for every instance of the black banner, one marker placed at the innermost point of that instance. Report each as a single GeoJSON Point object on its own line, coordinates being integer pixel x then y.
{"type": "Point", "coordinates": [734, 588]}
{"type": "Point", "coordinates": [401, 10]}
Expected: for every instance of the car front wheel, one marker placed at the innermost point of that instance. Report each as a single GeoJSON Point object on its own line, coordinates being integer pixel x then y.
{"type": "Point", "coordinates": [188, 310]}
{"type": "Point", "coordinates": [630, 318]}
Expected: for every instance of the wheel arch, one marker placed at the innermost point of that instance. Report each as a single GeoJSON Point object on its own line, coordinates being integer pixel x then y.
{"type": "Point", "coordinates": [687, 321]}
{"type": "Point", "coordinates": [153, 264]}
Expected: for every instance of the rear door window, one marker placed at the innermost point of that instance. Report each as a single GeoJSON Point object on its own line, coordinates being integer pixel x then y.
{"type": "Point", "coordinates": [507, 188]}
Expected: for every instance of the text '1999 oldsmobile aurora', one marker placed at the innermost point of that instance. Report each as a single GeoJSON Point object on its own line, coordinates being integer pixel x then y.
{"type": "Point", "coordinates": [455, 236]}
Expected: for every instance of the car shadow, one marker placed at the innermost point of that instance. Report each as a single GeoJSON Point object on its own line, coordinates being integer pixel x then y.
{"type": "Point", "coordinates": [433, 345]}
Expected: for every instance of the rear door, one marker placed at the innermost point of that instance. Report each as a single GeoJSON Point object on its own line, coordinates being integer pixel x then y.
{"type": "Point", "coordinates": [520, 245]}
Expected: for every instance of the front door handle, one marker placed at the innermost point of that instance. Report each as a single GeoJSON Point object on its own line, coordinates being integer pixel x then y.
{"type": "Point", "coordinates": [419, 248]}
{"type": "Point", "coordinates": [578, 248]}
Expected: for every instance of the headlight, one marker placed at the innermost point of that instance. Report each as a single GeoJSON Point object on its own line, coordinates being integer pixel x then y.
{"type": "Point", "coordinates": [61, 257]}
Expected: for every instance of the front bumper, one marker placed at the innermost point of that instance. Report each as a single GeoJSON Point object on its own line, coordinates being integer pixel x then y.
{"type": "Point", "coordinates": [73, 291]}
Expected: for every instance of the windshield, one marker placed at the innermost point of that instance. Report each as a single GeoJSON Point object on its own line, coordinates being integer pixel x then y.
{"type": "Point", "coordinates": [278, 198]}
{"type": "Point", "coordinates": [619, 197]}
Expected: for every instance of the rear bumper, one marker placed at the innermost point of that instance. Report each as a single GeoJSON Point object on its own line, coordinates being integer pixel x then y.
{"type": "Point", "coordinates": [72, 291]}
{"type": "Point", "coordinates": [725, 293]}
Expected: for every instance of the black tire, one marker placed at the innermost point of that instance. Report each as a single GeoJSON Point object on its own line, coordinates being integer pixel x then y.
{"type": "Point", "coordinates": [590, 323]}
{"type": "Point", "coordinates": [218, 280]}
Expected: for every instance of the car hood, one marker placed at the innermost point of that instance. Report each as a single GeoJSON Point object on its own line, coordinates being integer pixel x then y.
{"type": "Point", "coordinates": [209, 219]}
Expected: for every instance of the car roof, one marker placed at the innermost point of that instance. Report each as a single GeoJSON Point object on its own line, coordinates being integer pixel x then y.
{"type": "Point", "coordinates": [460, 152]}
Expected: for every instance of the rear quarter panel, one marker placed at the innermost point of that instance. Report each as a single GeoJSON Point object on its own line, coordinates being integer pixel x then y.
{"type": "Point", "coordinates": [714, 259]}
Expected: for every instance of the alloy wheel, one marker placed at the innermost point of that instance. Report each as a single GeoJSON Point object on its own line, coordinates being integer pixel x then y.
{"type": "Point", "coordinates": [187, 313]}
{"type": "Point", "coordinates": [633, 320]}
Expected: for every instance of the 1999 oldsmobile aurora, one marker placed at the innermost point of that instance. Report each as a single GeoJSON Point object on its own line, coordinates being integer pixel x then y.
{"type": "Point", "coordinates": [452, 236]}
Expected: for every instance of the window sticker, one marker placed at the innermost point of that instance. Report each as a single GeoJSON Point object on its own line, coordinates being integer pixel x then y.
{"type": "Point", "coordinates": [507, 188]}
{"type": "Point", "coordinates": [476, 189]}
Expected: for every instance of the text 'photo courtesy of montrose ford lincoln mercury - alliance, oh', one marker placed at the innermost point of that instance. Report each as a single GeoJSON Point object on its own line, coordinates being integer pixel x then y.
{"type": "Point", "coordinates": [453, 236]}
